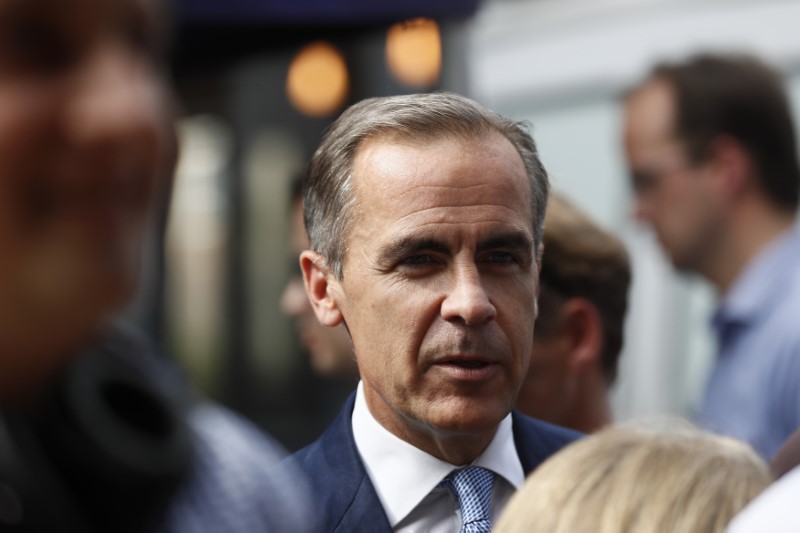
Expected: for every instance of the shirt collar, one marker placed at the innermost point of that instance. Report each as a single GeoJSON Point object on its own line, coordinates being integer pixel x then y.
{"type": "Point", "coordinates": [761, 283]}
{"type": "Point", "coordinates": [403, 474]}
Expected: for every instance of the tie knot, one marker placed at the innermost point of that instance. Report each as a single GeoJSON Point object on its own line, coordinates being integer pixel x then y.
{"type": "Point", "coordinates": [473, 488]}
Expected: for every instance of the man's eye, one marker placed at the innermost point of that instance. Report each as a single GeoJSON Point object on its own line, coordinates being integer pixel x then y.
{"type": "Point", "coordinates": [501, 257]}
{"type": "Point", "coordinates": [417, 260]}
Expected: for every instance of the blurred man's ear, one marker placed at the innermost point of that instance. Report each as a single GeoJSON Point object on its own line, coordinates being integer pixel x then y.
{"type": "Point", "coordinates": [732, 166]}
{"type": "Point", "coordinates": [583, 329]}
{"type": "Point", "coordinates": [320, 284]}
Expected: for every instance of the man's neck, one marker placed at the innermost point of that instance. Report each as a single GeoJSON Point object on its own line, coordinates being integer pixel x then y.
{"type": "Point", "coordinates": [455, 447]}
{"type": "Point", "coordinates": [593, 408]}
{"type": "Point", "coordinates": [748, 235]}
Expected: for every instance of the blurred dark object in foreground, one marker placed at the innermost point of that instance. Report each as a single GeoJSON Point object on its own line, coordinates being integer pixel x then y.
{"type": "Point", "coordinates": [105, 451]}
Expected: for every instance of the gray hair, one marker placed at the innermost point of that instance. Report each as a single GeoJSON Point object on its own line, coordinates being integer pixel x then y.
{"type": "Point", "coordinates": [329, 202]}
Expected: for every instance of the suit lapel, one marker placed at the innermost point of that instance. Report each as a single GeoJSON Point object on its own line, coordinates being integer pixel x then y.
{"type": "Point", "coordinates": [536, 440]}
{"type": "Point", "coordinates": [366, 512]}
{"type": "Point", "coordinates": [354, 504]}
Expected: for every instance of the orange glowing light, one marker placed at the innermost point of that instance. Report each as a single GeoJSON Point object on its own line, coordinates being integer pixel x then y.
{"type": "Point", "coordinates": [317, 83]}
{"type": "Point", "coordinates": [414, 52]}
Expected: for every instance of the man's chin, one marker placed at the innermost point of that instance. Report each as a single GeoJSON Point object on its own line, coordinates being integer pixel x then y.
{"type": "Point", "coordinates": [468, 416]}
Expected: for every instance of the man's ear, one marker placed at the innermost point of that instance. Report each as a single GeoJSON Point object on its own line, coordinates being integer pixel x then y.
{"type": "Point", "coordinates": [581, 324]}
{"type": "Point", "coordinates": [322, 288]}
{"type": "Point", "coordinates": [732, 165]}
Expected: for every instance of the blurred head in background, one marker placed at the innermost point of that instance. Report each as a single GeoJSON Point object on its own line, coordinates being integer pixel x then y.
{"type": "Point", "coordinates": [579, 333]}
{"type": "Point", "coordinates": [625, 480]}
{"type": "Point", "coordinates": [330, 349]}
{"type": "Point", "coordinates": [85, 142]}
{"type": "Point", "coordinates": [712, 155]}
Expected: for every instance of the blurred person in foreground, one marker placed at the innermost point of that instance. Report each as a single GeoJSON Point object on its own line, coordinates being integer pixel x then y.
{"type": "Point", "coordinates": [787, 457]}
{"type": "Point", "coordinates": [329, 349]}
{"type": "Point", "coordinates": [712, 154]}
{"type": "Point", "coordinates": [97, 434]}
{"type": "Point", "coordinates": [579, 332]}
{"type": "Point", "coordinates": [776, 509]}
{"type": "Point", "coordinates": [627, 480]}
{"type": "Point", "coordinates": [425, 216]}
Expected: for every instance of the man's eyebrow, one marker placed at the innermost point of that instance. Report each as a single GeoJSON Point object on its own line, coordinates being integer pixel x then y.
{"type": "Point", "coordinates": [409, 245]}
{"type": "Point", "coordinates": [513, 240]}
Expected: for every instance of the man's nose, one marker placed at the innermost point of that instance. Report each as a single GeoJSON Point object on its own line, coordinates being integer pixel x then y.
{"type": "Point", "coordinates": [468, 300]}
{"type": "Point", "coordinates": [116, 101]}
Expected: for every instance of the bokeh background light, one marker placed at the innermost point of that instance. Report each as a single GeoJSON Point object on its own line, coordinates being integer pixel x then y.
{"type": "Point", "coordinates": [318, 83]}
{"type": "Point", "coordinates": [414, 52]}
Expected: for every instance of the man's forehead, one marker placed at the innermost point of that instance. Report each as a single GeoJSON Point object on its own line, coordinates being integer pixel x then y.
{"type": "Point", "coordinates": [650, 120]}
{"type": "Point", "coordinates": [391, 166]}
{"type": "Point", "coordinates": [491, 184]}
{"type": "Point", "coordinates": [652, 106]}
{"type": "Point", "coordinates": [420, 143]}
{"type": "Point", "coordinates": [382, 141]}
{"type": "Point", "coordinates": [422, 139]}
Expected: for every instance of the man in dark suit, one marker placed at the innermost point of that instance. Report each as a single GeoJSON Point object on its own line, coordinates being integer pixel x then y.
{"type": "Point", "coordinates": [425, 215]}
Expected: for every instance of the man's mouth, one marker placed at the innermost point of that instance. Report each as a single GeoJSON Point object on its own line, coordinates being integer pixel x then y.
{"type": "Point", "coordinates": [467, 363]}
{"type": "Point", "coordinates": [468, 369]}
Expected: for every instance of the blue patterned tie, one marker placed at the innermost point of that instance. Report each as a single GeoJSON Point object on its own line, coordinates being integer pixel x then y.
{"type": "Point", "coordinates": [473, 488]}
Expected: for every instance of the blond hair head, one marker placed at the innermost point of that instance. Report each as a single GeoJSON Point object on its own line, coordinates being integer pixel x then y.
{"type": "Point", "coordinates": [625, 480]}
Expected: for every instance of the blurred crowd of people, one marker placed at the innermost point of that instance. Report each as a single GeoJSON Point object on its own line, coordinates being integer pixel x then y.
{"type": "Point", "coordinates": [428, 244]}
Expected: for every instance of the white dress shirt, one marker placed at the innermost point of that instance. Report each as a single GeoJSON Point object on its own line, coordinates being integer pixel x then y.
{"type": "Point", "coordinates": [407, 478]}
{"type": "Point", "coordinates": [774, 510]}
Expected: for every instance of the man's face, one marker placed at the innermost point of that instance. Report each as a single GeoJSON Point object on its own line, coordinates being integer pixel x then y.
{"type": "Point", "coordinates": [84, 137]}
{"type": "Point", "coordinates": [439, 283]}
{"type": "Point", "coordinates": [329, 348]}
{"type": "Point", "coordinates": [672, 194]}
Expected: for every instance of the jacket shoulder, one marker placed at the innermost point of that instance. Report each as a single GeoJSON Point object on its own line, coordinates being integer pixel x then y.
{"type": "Point", "coordinates": [344, 496]}
{"type": "Point", "coordinates": [537, 440]}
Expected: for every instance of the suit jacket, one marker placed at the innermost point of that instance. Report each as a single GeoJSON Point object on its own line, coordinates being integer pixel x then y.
{"type": "Point", "coordinates": [343, 495]}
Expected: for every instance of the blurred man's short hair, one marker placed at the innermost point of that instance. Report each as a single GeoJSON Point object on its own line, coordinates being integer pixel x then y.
{"type": "Point", "coordinates": [742, 97]}
{"type": "Point", "coordinates": [583, 260]}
